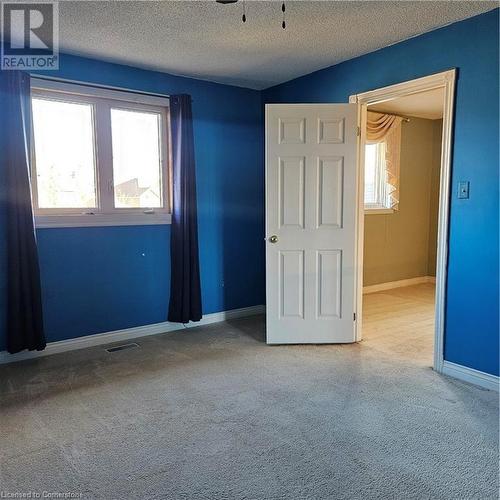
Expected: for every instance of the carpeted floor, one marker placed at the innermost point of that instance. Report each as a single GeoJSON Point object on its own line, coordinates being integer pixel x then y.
{"type": "Point", "coordinates": [214, 413]}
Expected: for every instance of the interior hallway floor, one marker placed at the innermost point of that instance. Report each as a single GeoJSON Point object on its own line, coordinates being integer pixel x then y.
{"type": "Point", "coordinates": [400, 322]}
{"type": "Point", "coordinates": [214, 413]}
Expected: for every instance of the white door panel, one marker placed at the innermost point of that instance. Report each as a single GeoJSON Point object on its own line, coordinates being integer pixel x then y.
{"type": "Point", "coordinates": [310, 210]}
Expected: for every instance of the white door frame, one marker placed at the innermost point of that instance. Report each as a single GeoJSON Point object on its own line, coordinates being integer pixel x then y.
{"type": "Point", "coordinates": [445, 80]}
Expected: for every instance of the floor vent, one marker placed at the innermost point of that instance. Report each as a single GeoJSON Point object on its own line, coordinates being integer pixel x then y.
{"type": "Point", "coordinates": [122, 347]}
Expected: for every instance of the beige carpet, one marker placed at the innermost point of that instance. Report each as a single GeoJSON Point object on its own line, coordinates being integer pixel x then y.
{"type": "Point", "coordinates": [214, 413]}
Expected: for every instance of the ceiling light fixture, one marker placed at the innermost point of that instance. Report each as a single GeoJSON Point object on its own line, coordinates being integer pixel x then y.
{"type": "Point", "coordinates": [244, 16]}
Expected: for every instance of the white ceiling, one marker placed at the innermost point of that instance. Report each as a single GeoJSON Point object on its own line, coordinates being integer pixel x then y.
{"type": "Point", "coordinates": [422, 105]}
{"type": "Point", "coordinates": [207, 40]}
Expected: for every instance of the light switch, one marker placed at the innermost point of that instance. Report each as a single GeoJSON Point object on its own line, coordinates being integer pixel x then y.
{"type": "Point", "coordinates": [463, 190]}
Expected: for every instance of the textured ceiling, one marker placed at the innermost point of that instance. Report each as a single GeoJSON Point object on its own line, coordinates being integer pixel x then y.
{"type": "Point", "coordinates": [207, 40]}
{"type": "Point", "coordinates": [422, 105]}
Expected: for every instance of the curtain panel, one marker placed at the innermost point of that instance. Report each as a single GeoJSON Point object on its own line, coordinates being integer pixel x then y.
{"type": "Point", "coordinates": [381, 127]}
{"type": "Point", "coordinates": [185, 290]}
{"type": "Point", "coordinates": [24, 297]}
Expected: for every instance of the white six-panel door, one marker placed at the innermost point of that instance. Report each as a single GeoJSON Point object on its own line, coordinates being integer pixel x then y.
{"type": "Point", "coordinates": [310, 222]}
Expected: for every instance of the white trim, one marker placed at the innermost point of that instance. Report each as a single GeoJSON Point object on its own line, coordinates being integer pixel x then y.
{"type": "Point", "coordinates": [128, 333]}
{"type": "Point", "coordinates": [378, 211]}
{"type": "Point", "coordinates": [445, 80]}
{"type": "Point", "coordinates": [389, 285]}
{"type": "Point", "coordinates": [103, 102]}
{"type": "Point", "coordinates": [94, 90]}
{"type": "Point", "coordinates": [471, 375]}
{"type": "Point", "coordinates": [360, 222]}
{"type": "Point", "coordinates": [402, 89]}
{"type": "Point", "coordinates": [84, 220]}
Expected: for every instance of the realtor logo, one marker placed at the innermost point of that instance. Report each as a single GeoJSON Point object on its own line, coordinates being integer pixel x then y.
{"type": "Point", "coordinates": [30, 36]}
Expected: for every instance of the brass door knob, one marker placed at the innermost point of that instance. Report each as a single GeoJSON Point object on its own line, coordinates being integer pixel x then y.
{"type": "Point", "coordinates": [273, 239]}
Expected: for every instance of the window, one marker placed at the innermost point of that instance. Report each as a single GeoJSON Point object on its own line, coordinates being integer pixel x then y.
{"type": "Point", "coordinates": [99, 156]}
{"type": "Point", "coordinates": [376, 187]}
{"type": "Point", "coordinates": [136, 138]}
{"type": "Point", "coordinates": [65, 154]}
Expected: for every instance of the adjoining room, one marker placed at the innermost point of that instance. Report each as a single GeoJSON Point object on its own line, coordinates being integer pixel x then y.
{"type": "Point", "coordinates": [402, 188]}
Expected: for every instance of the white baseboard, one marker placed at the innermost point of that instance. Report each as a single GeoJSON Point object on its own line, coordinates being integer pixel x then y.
{"type": "Point", "coordinates": [128, 334]}
{"type": "Point", "coordinates": [398, 284]}
{"type": "Point", "coordinates": [470, 375]}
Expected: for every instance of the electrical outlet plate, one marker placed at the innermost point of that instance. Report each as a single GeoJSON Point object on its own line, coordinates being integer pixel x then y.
{"type": "Point", "coordinates": [463, 190]}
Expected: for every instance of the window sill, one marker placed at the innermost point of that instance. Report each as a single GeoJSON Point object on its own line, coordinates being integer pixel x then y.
{"type": "Point", "coordinates": [128, 219]}
{"type": "Point", "coordinates": [379, 211]}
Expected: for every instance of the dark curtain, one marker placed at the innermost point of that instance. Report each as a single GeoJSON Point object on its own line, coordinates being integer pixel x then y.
{"type": "Point", "coordinates": [185, 293]}
{"type": "Point", "coordinates": [24, 306]}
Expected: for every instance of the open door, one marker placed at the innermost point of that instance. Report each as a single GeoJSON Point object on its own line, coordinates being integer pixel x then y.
{"type": "Point", "coordinates": [311, 185]}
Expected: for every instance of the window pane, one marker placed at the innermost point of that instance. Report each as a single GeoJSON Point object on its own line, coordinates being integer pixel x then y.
{"type": "Point", "coordinates": [136, 158]}
{"type": "Point", "coordinates": [64, 152]}
{"type": "Point", "coordinates": [371, 173]}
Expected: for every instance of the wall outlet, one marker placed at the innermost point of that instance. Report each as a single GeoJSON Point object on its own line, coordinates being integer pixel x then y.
{"type": "Point", "coordinates": [463, 190]}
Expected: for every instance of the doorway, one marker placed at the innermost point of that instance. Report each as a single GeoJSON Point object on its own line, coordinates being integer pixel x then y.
{"type": "Point", "coordinates": [403, 216]}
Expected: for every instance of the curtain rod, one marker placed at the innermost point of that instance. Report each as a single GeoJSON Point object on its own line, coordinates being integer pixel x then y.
{"type": "Point", "coordinates": [97, 85]}
{"type": "Point", "coordinates": [405, 118]}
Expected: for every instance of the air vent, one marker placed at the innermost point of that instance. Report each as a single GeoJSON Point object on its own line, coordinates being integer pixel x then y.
{"type": "Point", "coordinates": [122, 347]}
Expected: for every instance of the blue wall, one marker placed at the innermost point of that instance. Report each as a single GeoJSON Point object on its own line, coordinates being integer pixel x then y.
{"type": "Point", "coordinates": [107, 278]}
{"type": "Point", "coordinates": [472, 309]}
{"type": "Point", "coordinates": [101, 279]}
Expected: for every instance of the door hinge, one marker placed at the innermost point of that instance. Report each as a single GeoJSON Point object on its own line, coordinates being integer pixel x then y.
{"type": "Point", "coordinates": [354, 317]}
{"type": "Point", "coordinates": [359, 131]}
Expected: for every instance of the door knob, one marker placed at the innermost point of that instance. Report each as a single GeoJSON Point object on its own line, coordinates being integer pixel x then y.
{"type": "Point", "coordinates": [273, 239]}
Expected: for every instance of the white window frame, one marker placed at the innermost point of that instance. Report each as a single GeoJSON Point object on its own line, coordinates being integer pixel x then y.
{"type": "Point", "coordinates": [379, 207]}
{"type": "Point", "coordinates": [105, 214]}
